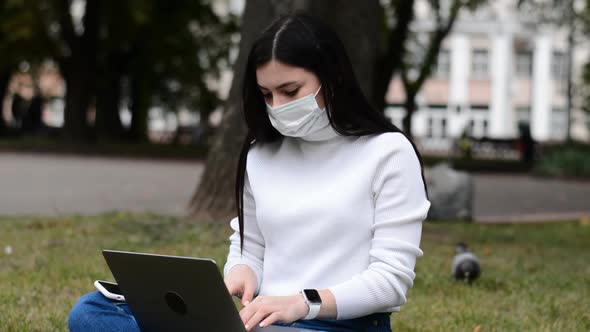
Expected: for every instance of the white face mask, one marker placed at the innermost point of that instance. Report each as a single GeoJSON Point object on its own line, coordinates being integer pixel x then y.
{"type": "Point", "coordinates": [299, 118]}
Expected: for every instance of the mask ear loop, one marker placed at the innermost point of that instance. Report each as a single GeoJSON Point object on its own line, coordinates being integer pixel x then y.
{"type": "Point", "coordinates": [316, 93]}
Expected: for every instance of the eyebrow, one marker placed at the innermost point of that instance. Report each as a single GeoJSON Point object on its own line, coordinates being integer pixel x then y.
{"type": "Point", "coordinates": [280, 85]}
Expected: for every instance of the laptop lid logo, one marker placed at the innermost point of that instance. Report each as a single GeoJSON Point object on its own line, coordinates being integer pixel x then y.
{"type": "Point", "coordinates": [175, 302]}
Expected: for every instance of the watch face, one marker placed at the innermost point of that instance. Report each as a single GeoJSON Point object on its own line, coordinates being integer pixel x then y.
{"type": "Point", "coordinates": [312, 295]}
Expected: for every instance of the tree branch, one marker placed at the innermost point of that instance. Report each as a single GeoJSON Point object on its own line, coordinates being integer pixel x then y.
{"type": "Point", "coordinates": [392, 59]}
{"type": "Point", "coordinates": [437, 37]}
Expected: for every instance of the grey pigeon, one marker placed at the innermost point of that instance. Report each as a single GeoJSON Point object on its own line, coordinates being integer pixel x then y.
{"type": "Point", "coordinates": [466, 266]}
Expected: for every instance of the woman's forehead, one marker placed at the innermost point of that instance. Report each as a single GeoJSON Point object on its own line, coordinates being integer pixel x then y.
{"type": "Point", "coordinates": [274, 73]}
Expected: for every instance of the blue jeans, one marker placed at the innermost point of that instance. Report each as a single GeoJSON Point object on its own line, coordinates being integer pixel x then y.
{"type": "Point", "coordinates": [94, 312]}
{"type": "Point", "coordinates": [378, 322]}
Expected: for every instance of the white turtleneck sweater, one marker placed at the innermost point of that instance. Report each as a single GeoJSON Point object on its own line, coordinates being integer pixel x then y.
{"type": "Point", "coordinates": [333, 212]}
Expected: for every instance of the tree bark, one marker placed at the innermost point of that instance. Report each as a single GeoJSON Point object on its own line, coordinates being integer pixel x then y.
{"type": "Point", "coordinates": [77, 100]}
{"type": "Point", "coordinates": [443, 27]}
{"type": "Point", "coordinates": [390, 61]}
{"type": "Point", "coordinates": [79, 68]}
{"type": "Point", "coordinates": [357, 25]}
{"type": "Point", "coordinates": [410, 106]}
{"type": "Point", "coordinates": [140, 103]}
{"type": "Point", "coordinates": [108, 122]}
{"type": "Point", "coordinates": [5, 75]}
{"type": "Point", "coordinates": [141, 86]}
{"type": "Point", "coordinates": [213, 199]}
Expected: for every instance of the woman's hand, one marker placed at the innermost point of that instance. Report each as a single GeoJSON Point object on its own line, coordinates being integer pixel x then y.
{"type": "Point", "coordinates": [241, 280]}
{"type": "Point", "coordinates": [269, 309]}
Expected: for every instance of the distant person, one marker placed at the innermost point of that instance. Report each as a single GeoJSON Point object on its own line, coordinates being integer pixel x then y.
{"type": "Point", "coordinates": [527, 144]}
{"type": "Point", "coordinates": [331, 196]}
{"type": "Point", "coordinates": [464, 145]}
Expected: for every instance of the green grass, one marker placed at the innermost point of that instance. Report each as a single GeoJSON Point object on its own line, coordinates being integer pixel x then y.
{"type": "Point", "coordinates": [535, 277]}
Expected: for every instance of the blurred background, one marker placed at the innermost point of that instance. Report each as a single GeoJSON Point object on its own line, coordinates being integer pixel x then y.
{"type": "Point", "coordinates": [160, 72]}
{"type": "Point", "coordinates": [120, 126]}
{"type": "Point", "coordinates": [482, 86]}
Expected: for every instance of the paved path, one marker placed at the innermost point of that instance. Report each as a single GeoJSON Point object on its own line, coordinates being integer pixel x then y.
{"type": "Point", "coordinates": [55, 185]}
{"type": "Point", "coordinates": [522, 198]}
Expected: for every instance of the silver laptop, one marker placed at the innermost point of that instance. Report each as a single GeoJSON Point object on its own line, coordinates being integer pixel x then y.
{"type": "Point", "coordinates": [172, 293]}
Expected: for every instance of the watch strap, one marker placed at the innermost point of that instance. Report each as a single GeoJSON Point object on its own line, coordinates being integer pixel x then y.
{"type": "Point", "coordinates": [314, 310]}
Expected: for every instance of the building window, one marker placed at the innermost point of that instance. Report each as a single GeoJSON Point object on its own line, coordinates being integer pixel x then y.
{"type": "Point", "coordinates": [479, 108]}
{"type": "Point", "coordinates": [524, 64]}
{"type": "Point", "coordinates": [480, 64]}
{"type": "Point", "coordinates": [437, 107]}
{"type": "Point", "coordinates": [558, 124]}
{"type": "Point", "coordinates": [443, 65]}
{"type": "Point", "coordinates": [429, 127]}
{"type": "Point", "coordinates": [559, 72]}
{"type": "Point", "coordinates": [478, 124]}
{"type": "Point", "coordinates": [523, 114]}
{"type": "Point", "coordinates": [559, 66]}
{"type": "Point", "coordinates": [436, 124]}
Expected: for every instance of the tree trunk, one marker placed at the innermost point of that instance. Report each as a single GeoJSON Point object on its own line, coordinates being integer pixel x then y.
{"type": "Point", "coordinates": [141, 94]}
{"type": "Point", "coordinates": [204, 126]}
{"type": "Point", "coordinates": [108, 121]}
{"type": "Point", "coordinates": [442, 29]}
{"type": "Point", "coordinates": [389, 62]}
{"type": "Point", "coordinates": [77, 100]}
{"type": "Point", "coordinates": [33, 120]}
{"type": "Point", "coordinates": [410, 106]}
{"type": "Point", "coordinates": [214, 197]}
{"type": "Point", "coordinates": [80, 69]}
{"type": "Point", "coordinates": [5, 75]}
{"type": "Point", "coordinates": [358, 26]}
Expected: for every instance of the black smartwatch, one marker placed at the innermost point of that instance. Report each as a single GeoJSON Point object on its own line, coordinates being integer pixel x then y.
{"type": "Point", "coordinates": [314, 302]}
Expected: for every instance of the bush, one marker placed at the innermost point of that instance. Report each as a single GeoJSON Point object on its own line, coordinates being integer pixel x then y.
{"type": "Point", "coordinates": [571, 160]}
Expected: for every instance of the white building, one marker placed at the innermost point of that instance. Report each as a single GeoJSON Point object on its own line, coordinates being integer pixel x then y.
{"type": "Point", "coordinates": [494, 71]}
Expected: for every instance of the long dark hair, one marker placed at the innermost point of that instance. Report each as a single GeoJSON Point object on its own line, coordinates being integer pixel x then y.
{"type": "Point", "coordinates": [303, 41]}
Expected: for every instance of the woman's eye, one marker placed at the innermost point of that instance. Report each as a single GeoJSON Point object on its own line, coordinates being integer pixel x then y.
{"type": "Point", "coordinates": [267, 95]}
{"type": "Point", "coordinates": [291, 93]}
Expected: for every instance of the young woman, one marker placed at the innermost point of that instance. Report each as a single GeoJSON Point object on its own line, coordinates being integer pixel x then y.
{"type": "Point", "coordinates": [330, 195]}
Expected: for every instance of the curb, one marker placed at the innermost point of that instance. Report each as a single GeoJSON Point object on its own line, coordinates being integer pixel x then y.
{"type": "Point", "coordinates": [532, 218]}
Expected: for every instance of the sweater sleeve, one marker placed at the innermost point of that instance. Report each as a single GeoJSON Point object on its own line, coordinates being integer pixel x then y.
{"type": "Point", "coordinates": [253, 254]}
{"type": "Point", "coordinates": [401, 206]}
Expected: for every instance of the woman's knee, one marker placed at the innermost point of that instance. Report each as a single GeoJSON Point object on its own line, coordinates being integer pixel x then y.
{"type": "Point", "coordinates": [94, 312]}
{"type": "Point", "coordinates": [81, 314]}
